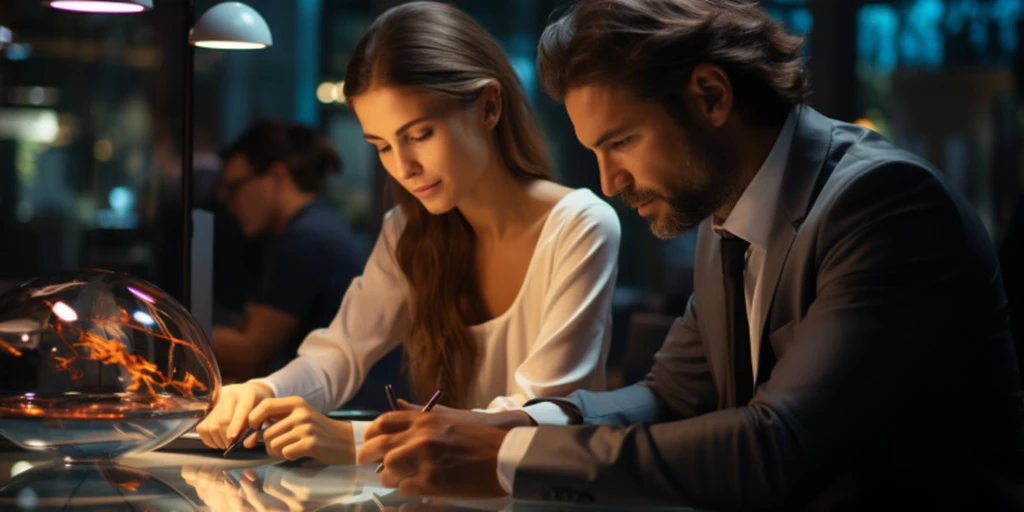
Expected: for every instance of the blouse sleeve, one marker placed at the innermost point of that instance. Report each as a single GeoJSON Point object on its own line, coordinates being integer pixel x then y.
{"type": "Point", "coordinates": [575, 333]}
{"type": "Point", "coordinates": [373, 318]}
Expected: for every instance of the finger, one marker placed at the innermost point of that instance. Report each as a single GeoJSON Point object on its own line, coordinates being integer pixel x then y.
{"type": "Point", "coordinates": [289, 502]}
{"type": "Point", "coordinates": [374, 450]}
{"type": "Point", "coordinates": [221, 418]}
{"type": "Point", "coordinates": [407, 406]}
{"type": "Point", "coordinates": [283, 427]}
{"type": "Point", "coordinates": [209, 429]}
{"type": "Point", "coordinates": [255, 498]}
{"type": "Point", "coordinates": [276, 445]}
{"type": "Point", "coordinates": [292, 490]}
{"type": "Point", "coordinates": [276, 408]}
{"type": "Point", "coordinates": [303, 447]}
{"type": "Point", "coordinates": [405, 460]}
{"type": "Point", "coordinates": [390, 423]}
{"type": "Point", "coordinates": [251, 441]}
{"type": "Point", "coordinates": [414, 487]}
{"type": "Point", "coordinates": [299, 417]}
{"type": "Point", "coordinates": [204, 431]}
{"type": "Point", "coordinates": [240, 413]}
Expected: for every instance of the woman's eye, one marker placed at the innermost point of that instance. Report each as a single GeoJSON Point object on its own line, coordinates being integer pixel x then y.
{"type": "Point", "coordinates": [423, 136]}
{"type": "Point", "coordinates": [384, 149]}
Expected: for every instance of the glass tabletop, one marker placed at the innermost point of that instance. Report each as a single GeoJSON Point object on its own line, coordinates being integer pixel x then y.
{"type": "Point", "coordinates": [205, 481]}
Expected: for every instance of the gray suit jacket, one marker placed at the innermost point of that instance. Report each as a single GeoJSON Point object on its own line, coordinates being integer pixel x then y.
{"type": "Point", "coordinates": [895, 374]}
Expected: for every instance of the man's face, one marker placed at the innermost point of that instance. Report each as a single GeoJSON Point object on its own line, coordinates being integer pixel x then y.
{"type": "Point", "coordinates": [674, 177]}
{"type": "Point", "coordinates": [249, 197]}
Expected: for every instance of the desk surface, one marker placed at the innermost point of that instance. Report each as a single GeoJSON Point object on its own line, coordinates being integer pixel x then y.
{"type": "Point", "coordinates": [205, 481]}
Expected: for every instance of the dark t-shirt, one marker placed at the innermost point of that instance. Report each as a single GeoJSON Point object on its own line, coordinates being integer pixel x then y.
{"type": "Point", "coordinates": [307, 269]}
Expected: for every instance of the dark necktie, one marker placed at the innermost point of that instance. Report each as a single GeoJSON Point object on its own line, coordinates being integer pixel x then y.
{"type": "Point", "coordinates": [733, 260]}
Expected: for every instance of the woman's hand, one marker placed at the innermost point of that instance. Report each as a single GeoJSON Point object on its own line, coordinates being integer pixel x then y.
{"type": "Point", "coordinates": [229, 417]}
{"type": "Point", "coordinates": [502, 419]}
{"type": "Point", "coordinates": [302, 431]}
{"type": "Point", "coordinates": [214, 488]}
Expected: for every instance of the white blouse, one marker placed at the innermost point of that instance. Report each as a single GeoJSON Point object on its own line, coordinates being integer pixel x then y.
{"type": "Point", "coordinates": [552, 340]}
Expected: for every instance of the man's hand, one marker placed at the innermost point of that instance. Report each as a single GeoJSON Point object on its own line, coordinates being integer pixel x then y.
{"type": "Point", "coordinates": [503, 419]}
{"type": "Point", "coordinates": [428, 454]}
{"type": "Point", "coordinates": [302, 431]}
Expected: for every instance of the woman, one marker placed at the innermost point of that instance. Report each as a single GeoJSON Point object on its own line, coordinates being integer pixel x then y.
{"type": "Point", "coordinates": [497, 280]}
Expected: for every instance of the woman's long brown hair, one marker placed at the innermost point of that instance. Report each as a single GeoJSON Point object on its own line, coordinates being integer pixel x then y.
{"type": "Point", "coordinates": [438, 48]}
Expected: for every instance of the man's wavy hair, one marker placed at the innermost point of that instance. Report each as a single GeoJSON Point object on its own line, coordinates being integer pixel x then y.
{"type": "Point", "coordinates": [652, 46]}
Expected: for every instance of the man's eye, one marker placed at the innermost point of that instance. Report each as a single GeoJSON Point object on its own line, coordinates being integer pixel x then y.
{"type": "Point", "coordinates": [621, 142]}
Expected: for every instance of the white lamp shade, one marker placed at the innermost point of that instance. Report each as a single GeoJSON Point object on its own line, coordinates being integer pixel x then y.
{"type": "Point", "coordinates": [231, 26]}
{"type": "Point", "coordinates": [102, 6]}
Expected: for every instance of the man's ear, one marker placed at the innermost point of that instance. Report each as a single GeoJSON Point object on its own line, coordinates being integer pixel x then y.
{"type": "Point", "coordinates": [280, 173]}
{"type": "Point", "coordinates": [710, 92]}
{"type": "Point", "coordinates": [490, 105]}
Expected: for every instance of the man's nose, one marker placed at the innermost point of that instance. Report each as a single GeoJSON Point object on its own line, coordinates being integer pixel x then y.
{"type": "Point", "coordinates": [613, 178]}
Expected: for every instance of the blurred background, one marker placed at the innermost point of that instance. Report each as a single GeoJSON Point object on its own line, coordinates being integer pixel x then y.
{"type": "Point", "coordinates": [95, 127]}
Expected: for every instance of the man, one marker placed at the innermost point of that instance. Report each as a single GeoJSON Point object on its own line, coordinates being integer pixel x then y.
{"type": "Point", "coordinates": [272, 182]}
{"type": "Point", "coordinates": [847, 342]}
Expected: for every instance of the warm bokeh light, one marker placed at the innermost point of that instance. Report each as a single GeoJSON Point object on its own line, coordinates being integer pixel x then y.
{"type": "Point", "coordinates": [229, 45]}
{"type": "Point", "coordinates": [98, 6]}
{"type": "Point", "coordinates": [866, 123]}
{"type": "Point", "coordinates": [143, 318]}
{"type": "Point", "coordinates": [20, 467]}
{"type": "Point", "coordinates": [64, 312]}
{"type": "Point", "coordinates": [141, 295]}
{"type": "Point", "coordinates": [103, 150]}
{"type": "Point", "coordinates": [326, 93]}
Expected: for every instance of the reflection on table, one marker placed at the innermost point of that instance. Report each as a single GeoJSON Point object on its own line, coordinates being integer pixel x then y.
{"type": "Point", "coordinates": [205, 481]}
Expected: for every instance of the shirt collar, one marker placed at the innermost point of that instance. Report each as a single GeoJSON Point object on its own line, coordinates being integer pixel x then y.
{"type": "Point", "coordinates": [751, 218]}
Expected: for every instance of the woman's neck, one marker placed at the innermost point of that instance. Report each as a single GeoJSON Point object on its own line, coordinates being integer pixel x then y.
{"type": "Point", "coordinates": [499, 206]}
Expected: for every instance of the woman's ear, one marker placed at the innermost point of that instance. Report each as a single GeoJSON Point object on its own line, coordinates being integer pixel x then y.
{"type": "Point", "coordinates": [490, 105]}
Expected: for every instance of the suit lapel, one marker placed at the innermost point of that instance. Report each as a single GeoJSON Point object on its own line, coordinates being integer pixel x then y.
{"type": "Point", "coordinates": [711, 313]}
{"type": "Point", "coordinates": [800, 183]}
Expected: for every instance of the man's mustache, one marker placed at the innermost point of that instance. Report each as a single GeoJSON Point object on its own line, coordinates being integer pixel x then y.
{"type": "Point", "coordinates": [634, 198]}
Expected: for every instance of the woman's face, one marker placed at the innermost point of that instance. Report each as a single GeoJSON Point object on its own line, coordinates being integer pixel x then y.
{"type": "Point", "coordinates": [435, 147]}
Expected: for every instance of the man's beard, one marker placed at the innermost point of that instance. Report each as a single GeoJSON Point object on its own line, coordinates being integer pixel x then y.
{"type": "Point", "coordinates": [695, 190]}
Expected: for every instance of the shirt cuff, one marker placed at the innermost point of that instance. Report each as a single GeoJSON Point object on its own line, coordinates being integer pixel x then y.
{"type": "Point", "coordinates": [358, 427]}
{"type": "Point", "coordinates": [511, 453]}
{"type": "Point", "coordinates": [547, 413]}
{"type": "Point", "coordinates": [270, 384]}
{"type": "Point", "coordinates": [303, 378]}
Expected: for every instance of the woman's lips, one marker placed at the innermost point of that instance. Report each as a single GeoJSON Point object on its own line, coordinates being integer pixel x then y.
{"type": "Point", "coordinates": [427, 190]}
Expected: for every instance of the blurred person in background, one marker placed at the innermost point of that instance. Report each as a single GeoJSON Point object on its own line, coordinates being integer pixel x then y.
{"type": "Point", "coordinates": [272, 182]}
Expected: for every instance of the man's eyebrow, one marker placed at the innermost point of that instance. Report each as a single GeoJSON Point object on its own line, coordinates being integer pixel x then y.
{"type": "Point", "coordinates": [401, 129]}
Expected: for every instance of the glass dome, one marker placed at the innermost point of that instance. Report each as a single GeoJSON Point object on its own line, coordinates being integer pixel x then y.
{"type": "Point", "coordinates": [98, 364]}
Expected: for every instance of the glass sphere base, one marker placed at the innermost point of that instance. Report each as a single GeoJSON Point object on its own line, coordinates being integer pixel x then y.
{"type": "Point", "coordinates": [83, 428]}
